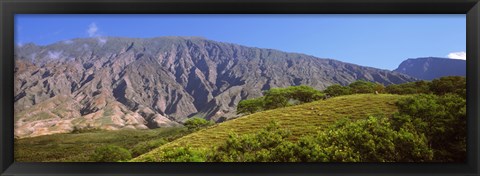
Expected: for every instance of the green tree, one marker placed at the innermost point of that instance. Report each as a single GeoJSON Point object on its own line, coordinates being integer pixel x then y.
{"type": "Point", "coordinates": [362, 86]}
{"type": "Point", "coordinates": [449, 84]}
{"type": "Point", "coordinates": [441, 118]}
{"type": "Point", "coordinates": [276, 98]}
{"type": "Point", "coordinates": [197, 123]}
{"type": "Point", "coordinates": [279, 97]}
{"type": "Point", "coordinates": [250, 106]}
{"type": "Point", "coordinates": [409, 88]}
{"type": "Point", "coordinates": [337, 90]}
{"type": "Point", "coordinates": [304, 93]}
{"type": "Point", "coordinates": [110, 153]}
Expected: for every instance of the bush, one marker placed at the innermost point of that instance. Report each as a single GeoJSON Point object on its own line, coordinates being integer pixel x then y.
{"type": "Point", "coordinates": [337, 90]}
{"type": "Point", "coordinates": [304, 93]}
{"type": "Point", "coordinates": [362, 86]}
{"type": "Point", "coordinates": [197, 123]}
{"type": "Point", "coordinates": [449, 84]}
{"type": "Point", "coordinates": [250, 106]}
{"type": "Point", "coordinates": [183, 154]}
{"type": "Point", "coordinates": [441, 118]}
{"type": "Point", "coordinates": [280, 97]}
{"type": "Point", "coordinates": [146, 146]}
{"type": "Point", "coordinates": [276, 98]}
{"type": "Point", "coordinates": [110, 153]}
{"type": "Point", "coordinates": [369, 140]}
{"type": "Point", "coordinates": [409, 88]}
{"type": "Point", "coordinates": [251, 147]}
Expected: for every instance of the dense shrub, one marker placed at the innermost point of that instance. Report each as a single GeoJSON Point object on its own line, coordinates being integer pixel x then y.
{"type": "Point", "coordinates": [197, 123]}
{"type": "Point", "coordinates": [110, 153]}
{"type": "Point", "coordinates": [409, 88]}
{"type": "Point", "coordinates": [251, 147]}
{"type": "Point", "coordinates": [441, 118]}
{"type": "Point", "coordinates": [279, 97]}
{"type": "Point", "coordinates": [146, 146]}
{"type": "Point", "coordinates": [183, 154]}
{"type": "Point", "coordinates": [449, 84]}
{"type": "Point", "coordinates": [251, 105]}
{"type": "Point", "coordinates": [276, 98]}
{"type": "Point", "coordinates": [370, 140]}
{"type": "Point", "coordinates": [304, 93]}
{"type": "Point", "coordinates": [337, 90]}
{"type": "Point", "coordinates": [362, 86]}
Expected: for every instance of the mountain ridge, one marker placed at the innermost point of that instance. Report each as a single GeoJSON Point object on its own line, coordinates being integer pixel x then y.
{"type": "Point", "coordinates": [115, 83]}
{"type": "Point", "coordinates": [429, 68]}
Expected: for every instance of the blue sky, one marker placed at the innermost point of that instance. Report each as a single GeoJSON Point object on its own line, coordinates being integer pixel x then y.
{"type": "Point", "coordinates": [381, 41]}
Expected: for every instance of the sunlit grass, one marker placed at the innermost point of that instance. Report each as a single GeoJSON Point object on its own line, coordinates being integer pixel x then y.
{"type": "Point", "coordinates": [301, 120]}
{"type": "Point", "coordinates": [78, 147]}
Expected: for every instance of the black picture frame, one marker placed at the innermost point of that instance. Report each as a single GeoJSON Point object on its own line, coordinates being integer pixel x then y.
{"type": "Point", "coordinates": [8, 8]}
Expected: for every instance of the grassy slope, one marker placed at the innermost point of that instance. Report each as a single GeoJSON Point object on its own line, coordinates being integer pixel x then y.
{"type": "Point", "coordinates": [78, 147]}
{"type": "Point", "coordinates": [300, 120]}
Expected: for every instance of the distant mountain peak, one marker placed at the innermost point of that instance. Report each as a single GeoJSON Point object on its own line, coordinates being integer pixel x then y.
{"type": "Point", "coordinates": [428, 68]}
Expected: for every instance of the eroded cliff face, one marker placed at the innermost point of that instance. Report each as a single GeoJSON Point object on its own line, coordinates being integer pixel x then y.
{"type": "Point", "coordinates": [117, 83]}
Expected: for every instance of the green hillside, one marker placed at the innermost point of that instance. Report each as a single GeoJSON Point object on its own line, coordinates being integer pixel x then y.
{"type": "Point", "coordinates": [301, 120]}
{"type": "Point", "coordinates": [78, 147]}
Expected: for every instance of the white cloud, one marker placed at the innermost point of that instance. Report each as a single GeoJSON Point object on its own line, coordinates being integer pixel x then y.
{"type": "Point", "coordinates": [92, 30]}
{"type": "Point", "coordinates": [458, 55]}
{"type": "Point", "coordinates": [102, 40]}
{"type": "Point", "coordinates": [54, 54]}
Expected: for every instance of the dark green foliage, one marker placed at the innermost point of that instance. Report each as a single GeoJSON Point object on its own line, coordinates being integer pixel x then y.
{"type": "Point", "coordinates": [79, 147]}
{"type": "Point", "coordinates": [197, 123]}
{"type": "Point", "coordinates": [276, 98]}
{"type": "Point", "coordinates": [111, 153]}
{"type": "Point", "coordinates": [337, 90]}
{"type": "Point", "coordinates": [251, 147]}
{"type": "Point", "coordinates": [441, 118]}
{"type": "Point", "coordinates": [184, 154]}
{"type": "Point", "coordinates": [370, 140]}
{"type": "Point", "coordinates": [146, 146]}
{"type": "Point", "coordinates": [441, 86]}
{"type": "Point", "coordinates": [304, 93]}
{"type": "Point", "coordinates": [280, 97]}
{"type": "Point", "coordinates": [362, 86]}
{"type": "Point", "coordinates": [409, 88]}
{"type": "Point", "coordinates": [449, 84]}
{"type": "Point", "coordinates": [251, 105]}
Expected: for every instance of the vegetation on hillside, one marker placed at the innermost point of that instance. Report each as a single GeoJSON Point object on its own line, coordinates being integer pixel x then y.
{"type": "Point", "coordinates": [280, 97]}
{"type": "Point", "coordinates": [196, 123]}
{"type": "Point", "coordinates": [80, 147]}
{"type": "Point", "coordinates": [415, 134]}
{"type": "Point", "coordinates": [429, 126]}
{"type": "Point", "coordinates": [301, 120]}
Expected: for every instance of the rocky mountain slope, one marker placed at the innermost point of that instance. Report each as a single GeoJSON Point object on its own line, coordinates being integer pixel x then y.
{"type": "Point", "coordinates": [114, 83]}
{"type": "Point", "coordinates": [430, 68]}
